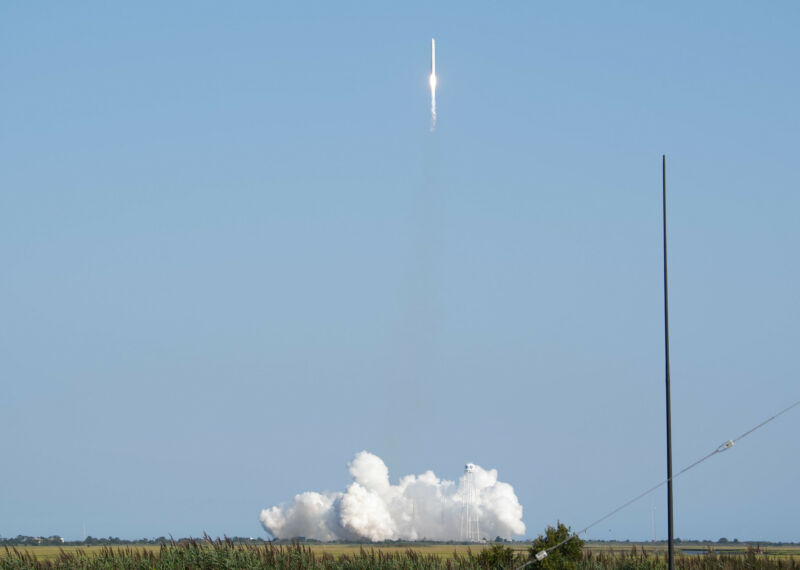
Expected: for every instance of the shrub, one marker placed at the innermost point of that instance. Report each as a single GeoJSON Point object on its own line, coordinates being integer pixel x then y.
{"type": "Point", "coordinates": [498, 556]}
{"type": "Point", "coordinates": [565, 557]}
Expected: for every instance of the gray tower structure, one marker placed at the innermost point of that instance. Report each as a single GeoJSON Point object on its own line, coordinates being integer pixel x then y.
{"type": "Point", "coordinates": [470, 516]}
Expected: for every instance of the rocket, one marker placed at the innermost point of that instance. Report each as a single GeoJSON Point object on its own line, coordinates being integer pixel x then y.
{"type": "Point", "coordinates": [433, 64]}
{"type": "Point", "coordinates": [433, 57]}
{"type": "Point", "coordinates": [432, 81]}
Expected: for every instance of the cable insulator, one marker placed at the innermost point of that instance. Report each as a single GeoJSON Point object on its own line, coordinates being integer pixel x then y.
{"type": "Point", "coordinates": [725, 446]}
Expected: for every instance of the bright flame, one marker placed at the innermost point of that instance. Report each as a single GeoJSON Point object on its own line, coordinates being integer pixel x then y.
{"type": "Point", "coordinates": [432, 81]}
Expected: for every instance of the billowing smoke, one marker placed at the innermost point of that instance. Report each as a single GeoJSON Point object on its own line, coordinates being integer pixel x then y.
{"type": "Point", "coordinates": [418, 507]}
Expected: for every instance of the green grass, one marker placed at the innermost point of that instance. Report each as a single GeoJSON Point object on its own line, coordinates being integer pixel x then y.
{"type": "Point", "coordinates": [51, 552]}
{"type": "Point", "coordinates": [224, 554]}
{"type": "Point", "coordinates": [733, 549]}
{"type": "Point", "coordinates": [332, 549]}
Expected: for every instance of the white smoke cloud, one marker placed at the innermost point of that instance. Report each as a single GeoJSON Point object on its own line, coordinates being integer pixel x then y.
{"type": "Point", "coordinates": [418, 507]}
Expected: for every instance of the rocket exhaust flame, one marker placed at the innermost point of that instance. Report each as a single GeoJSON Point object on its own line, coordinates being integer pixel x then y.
{"type": "Point", "coordinates": [432, 81]}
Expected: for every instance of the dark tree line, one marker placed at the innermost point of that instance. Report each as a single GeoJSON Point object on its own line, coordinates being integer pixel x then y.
{"type": "Point", "coordinates": [55, 540]}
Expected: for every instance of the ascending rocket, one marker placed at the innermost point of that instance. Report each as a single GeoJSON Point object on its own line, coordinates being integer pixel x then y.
{"type": "Point", "coordinates": [433, 63]}
{"type": "Point", "coordinates": [432, 81]}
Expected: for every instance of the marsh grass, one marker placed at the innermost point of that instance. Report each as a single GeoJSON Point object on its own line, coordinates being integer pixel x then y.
{"type": "Point", "coordinates": [642, 559]}
{"type": "Point", "coordinates": [224, 554]}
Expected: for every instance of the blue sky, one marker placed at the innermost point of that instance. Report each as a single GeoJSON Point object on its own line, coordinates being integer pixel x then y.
{"type": "Point", "coordinates": [234, 256]}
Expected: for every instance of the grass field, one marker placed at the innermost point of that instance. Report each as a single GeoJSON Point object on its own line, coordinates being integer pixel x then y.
{"type": "Point", "coordinates": [449, 550]}
{"type": "Point", "coordinates": [689, 548]}
{"type": "Point", "coordinates": [442, 550]}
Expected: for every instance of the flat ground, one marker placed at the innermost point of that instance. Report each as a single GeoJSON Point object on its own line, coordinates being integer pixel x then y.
{"type": "Point", "coordinates": [447, 550]}
{"type": "Point", "coordinates": [444, 550]}
{"type": "Point", "coordinates": [730, 548]}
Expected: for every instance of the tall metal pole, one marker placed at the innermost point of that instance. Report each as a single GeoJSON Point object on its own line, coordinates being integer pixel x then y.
{"type": "Point", "coordinates": [666, 361]}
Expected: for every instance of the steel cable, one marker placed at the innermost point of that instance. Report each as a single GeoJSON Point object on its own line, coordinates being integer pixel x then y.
{"type": "Point", "coordinates": [542, 554]}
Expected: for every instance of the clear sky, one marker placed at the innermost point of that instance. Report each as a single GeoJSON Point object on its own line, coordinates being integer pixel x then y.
{"type": "Point", "coordinates": [234, 255]}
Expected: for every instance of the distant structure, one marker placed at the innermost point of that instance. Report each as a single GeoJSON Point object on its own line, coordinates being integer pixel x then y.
{"type": "Point", "coordinates": [470, 517]}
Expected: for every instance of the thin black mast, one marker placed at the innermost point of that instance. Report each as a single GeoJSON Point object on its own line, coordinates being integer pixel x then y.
{"type": "Point", "coordinates": [666, 361]}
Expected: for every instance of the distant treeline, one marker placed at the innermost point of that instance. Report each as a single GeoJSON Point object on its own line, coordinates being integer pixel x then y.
{"type": "Point", "coordinates": [55, 540]}
{"type": "Point", "coordinates": [696, 542]}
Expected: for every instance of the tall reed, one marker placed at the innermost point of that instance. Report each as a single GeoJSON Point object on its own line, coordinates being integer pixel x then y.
{"type": "Point", "coordinates": [219, 554]}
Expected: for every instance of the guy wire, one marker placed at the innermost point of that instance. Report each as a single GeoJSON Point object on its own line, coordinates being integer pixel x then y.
{"type": "Point", "coordinates": [724, 447]}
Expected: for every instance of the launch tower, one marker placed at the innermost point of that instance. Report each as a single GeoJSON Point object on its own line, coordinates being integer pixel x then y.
{"type": "Point", "coordinates": [470, 517]}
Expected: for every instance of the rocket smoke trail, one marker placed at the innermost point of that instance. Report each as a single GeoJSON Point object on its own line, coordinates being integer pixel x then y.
{"type": "Point", "coordinates": [432, 81]}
